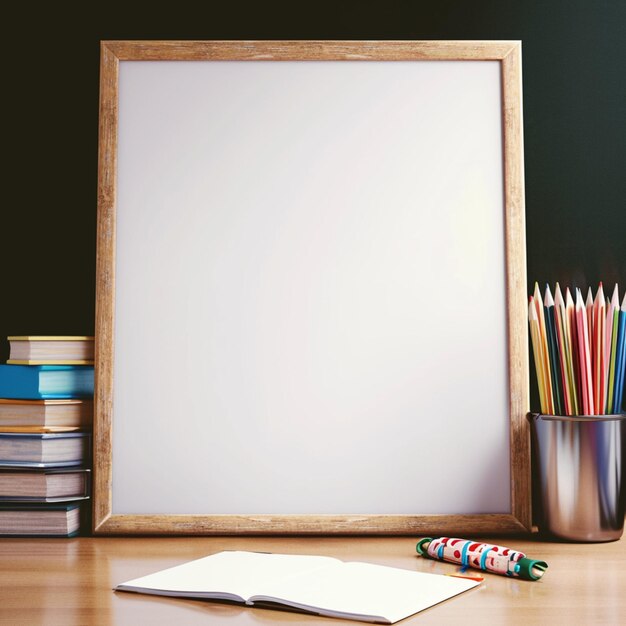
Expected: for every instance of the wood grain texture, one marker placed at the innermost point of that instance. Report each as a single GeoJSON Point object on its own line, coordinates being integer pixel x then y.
{"type": "Point", "coordinates": [509, 54]}
{"type": "Point", "coordinates": [308, 524]}
{"type": "Point", "coordinates": [516, 285]}
{"type": "Point", "coordinates": [309, 50]}
{"type": "Point", "coordinates": [105, 286]}
{"type": "Point", "coordinates": [58, 582]}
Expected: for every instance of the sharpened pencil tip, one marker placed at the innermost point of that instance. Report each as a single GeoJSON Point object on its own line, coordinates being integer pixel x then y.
{"type": "Point", "coordinates": [615, 296]}
{"type": "Point", "coordinates": [579, 298]}
{"type": "Point", "coordinates": [558, 297]}
{"type": "Point", "coordinates": [600, 295]}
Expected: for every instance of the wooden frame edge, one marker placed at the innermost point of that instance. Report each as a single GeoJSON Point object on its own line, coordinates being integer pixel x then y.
{"type": "Point", "coordinates": [516, 285]}
{"type": "Point", "coordinates": [509, 54]}
{"type": "Point", "coordinates": [303, 50]}
{"type": "Point", "coordinates": [105, 287]}
{"type": "Point", "coordinates": [481, 524]}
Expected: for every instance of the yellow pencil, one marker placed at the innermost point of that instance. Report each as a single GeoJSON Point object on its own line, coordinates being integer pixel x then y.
{"type": "Point", "coordinates": [536, 341]}
{"type": "Point", "coordinates": [544, 350]}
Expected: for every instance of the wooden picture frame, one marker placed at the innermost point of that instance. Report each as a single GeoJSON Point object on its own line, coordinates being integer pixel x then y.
{"type": "Point", "coordinates": [106, 520]}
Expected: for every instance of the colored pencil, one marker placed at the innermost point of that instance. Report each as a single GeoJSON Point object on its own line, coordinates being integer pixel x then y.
{"type": "Point", "coordinates": [536, 342]}
{"type": "Point", "coordinates": [610, 349]}
{"type": "Point", "coordinates": [611, 386]}
{"type": "Point", "coordinates": [589, 309]}
{"type": "Point", "coordinates": [599, 319]}
{"type": "Point", "coordinates": [555, 365]}
{"type": "Point", "coordinates": [573, 335]}
{"type": "Point", "coordinates": [583, 354]}
{"type": "Point", "coordinates": [579, 350]}
{"type": "Point", "coordinates": [620, 360]}
{"type": "Point", "coordinates": [567, 369]}
{"type": "Point", "coordinates": [544, 350]}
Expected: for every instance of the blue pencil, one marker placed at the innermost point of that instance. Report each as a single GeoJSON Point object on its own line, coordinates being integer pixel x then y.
{"type": "Point", "coordinates": [620, 358]}
{"type": "Point", "coordinates": [553, 353]}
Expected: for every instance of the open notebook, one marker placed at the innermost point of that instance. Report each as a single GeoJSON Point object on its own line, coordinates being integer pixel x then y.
{"type": "Point", "coordinates": [316, 584]}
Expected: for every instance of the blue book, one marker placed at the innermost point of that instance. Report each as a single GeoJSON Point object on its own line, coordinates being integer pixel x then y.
{"type": "Point", "coordinates": [45, 382]}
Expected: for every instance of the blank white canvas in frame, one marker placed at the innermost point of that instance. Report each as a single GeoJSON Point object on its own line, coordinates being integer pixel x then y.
{"type": "Point", "coordinates": [324, 244]}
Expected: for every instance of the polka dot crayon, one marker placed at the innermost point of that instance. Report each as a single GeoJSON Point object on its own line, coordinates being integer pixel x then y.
{"type": "Point", "coordinates": [483, 556]}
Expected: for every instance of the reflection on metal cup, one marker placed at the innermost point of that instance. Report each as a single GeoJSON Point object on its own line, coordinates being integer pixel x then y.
{"type": "Point", "coordinates": [581, 469]}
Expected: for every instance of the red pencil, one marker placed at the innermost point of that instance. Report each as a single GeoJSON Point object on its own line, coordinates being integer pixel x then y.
{"type": "Point", "coordinates": [599, 318]}
{"type": "Point", "coordinates": [583, 352]}
{"type": "Point", "coordinates": [570, 315]}
{"type": "Point", "coordinates": [610, 314]}
{"type": "Point", "coordinates": [589, 313]}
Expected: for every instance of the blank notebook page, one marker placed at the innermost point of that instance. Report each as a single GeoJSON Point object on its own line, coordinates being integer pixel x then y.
{"type": "Point", "coordinates": [237, 573]}
{"type": "Point", "coordinates": [311, 582]}
{"type": "Point", "coordinates": [361, 588]}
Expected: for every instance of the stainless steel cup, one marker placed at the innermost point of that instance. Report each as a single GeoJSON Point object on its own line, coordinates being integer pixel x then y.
{"type": "Point", "coordinates": [580, 466]}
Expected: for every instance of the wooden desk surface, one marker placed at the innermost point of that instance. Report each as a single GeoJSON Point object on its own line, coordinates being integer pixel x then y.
{"type": "Point", "coordinates": [69, 582]}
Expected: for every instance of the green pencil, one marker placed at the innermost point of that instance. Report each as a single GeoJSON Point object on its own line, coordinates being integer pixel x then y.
{"type": "Point", "coordinates": [610, 396]}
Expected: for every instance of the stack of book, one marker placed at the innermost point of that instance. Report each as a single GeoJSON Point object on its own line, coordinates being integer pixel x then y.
{"type": "Point", "coordinates": [46, 410]}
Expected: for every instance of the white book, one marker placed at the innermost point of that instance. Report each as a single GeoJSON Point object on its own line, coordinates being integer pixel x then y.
{"type": "Point", "coordinates": [316, 584]}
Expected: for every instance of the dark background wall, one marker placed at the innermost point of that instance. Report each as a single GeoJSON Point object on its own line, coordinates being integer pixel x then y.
{"type": "Point", "coordinates": [574, 75]}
